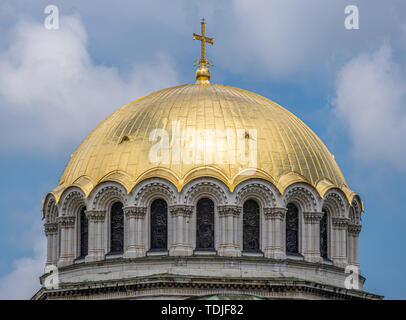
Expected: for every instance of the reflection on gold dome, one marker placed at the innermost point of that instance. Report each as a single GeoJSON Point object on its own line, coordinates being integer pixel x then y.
{"type": "Point", "coordinates": [119, 148]}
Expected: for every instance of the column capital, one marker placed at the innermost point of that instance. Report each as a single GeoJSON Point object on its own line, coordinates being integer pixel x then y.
{"type": "Point", "coordinates": [181, 210]}
{"type": "Point", "coordinates": [340, 222]}
{"type": "Point", "coordinates": [354, 229]}
{"type": "Point", "coordinates": [275, 213]}
{"type": "Point", "coordinates": [66, 221]}
{"type": "Point", "coordinates": [51, 228]}
{"type": "Point", "coordinates": [229, 210]}
{"type": "Point", "coordinates": [312, 216]}
{"type": "Point", "coordinates": [135, 212]}
{"type": "Point", "coordinates": [95, 215]}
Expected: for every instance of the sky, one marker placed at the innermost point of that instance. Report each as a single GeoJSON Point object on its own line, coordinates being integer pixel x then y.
{"type": "Point", "coordinates": [348, 86]}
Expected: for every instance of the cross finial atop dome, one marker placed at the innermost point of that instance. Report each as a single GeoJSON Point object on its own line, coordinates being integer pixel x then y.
{"type": "Point", "coordinates": [203, 73]}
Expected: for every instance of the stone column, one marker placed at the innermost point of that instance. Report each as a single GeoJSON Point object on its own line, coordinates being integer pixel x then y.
{"type": "Point", "coordinates": [339, 241]}
{"type": "Point", "coordinates": [134, 232]}
{"type": "Point", "coordinates": [353, 234]}
{"type": "Point", "coordinates": [228, 245]}
{"type": "Point", "coordinates": [67, 229]}
{"type": "Point", "coordinates": [181, 245]}
{"type": "Point", "coordinates": [274, 246]}
{"type": "Point", "coordinates": [311, 236]}
{"type": "Point", "coordinates": [96, 249]}
{"type": "Point", "coordinates": [51, 232]}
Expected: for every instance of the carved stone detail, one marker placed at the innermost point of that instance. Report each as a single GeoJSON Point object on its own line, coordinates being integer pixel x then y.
{"type": "Point", "coordinates": [275, 213]}
{"type": "Point", "coordinates": [303, 195]}
{"type": "Point", "coordinates": [312, 217]}
{"type": "Point", "coordinates": [95, 215]}
{"type": "Point", "coordinates": [72, 201]}
{"type": "Point", "coordinates": [106, 194]}
{"type": "Point", "coordinates": [205, 187]}
{"type": "Point", "coordinates": [66, 221]}
{"type": "Point", "coordinates": [256, 189]}
{"type": "Point", "coordinates": [181, 210]}
{"type": "Point", "coordinates": [354, 229]}
{"type": "Point", "coordinates": [135, 212]}
{"type": "Point", "coordinates": [340, 223]}
{"type": "Point", "coordinates": [228, 210]}
{"type": "Point", "coordinates": [51, 228]}
{"type": "Point", "coordinates": [154, 188]}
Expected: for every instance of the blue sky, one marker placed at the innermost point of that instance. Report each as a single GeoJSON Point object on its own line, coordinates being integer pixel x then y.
{"type": "Point", "coordinates": [347, 85]}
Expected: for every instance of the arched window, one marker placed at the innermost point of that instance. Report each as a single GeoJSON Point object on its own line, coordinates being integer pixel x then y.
{"type": "Point", "coordinates": [83, 233]}
{"type": "Point", "coordinates": [159, 225]}
{"type": "Point", "coordinates": [116, 228]}
{"type": "Point", "coordinates": [292, 229]}
{"type": "Point", "coordinates": [205, 225]}
{"type": "Point", "coordinates": [250, 226]}
{"type": "Point", "coordinates": [324, 235]}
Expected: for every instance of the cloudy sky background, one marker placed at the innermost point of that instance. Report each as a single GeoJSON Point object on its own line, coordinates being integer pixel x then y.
{"type": "Point", "coordinates": [347, 85]}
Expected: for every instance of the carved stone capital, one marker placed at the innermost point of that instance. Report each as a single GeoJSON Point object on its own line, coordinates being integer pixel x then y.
{"type": "Point", "coordinates": [95, 215]}
{"type": "Point", "coordinates": [66, 221]}
{"type": "Point", "coordinates": [135, 212]}
{"type": "Point", "coordinates": [181, 210]}
{"type": "Point", "coordinates": [51, 228]}
{"type": "Point", "coordinates": [354, 229]}
{"type": "Point", "coordinates": [275, 213]}
{"type": "Point", "coordinates": [340, 222]}
{"type": "Point", "coordinates": [229, 210]}
{"type": "Point", "coordinates": [312, 217]}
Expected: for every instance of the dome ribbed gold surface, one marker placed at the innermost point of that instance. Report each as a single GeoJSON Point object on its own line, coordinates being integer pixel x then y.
{"type": "Point", "coordinates": [118, 149]}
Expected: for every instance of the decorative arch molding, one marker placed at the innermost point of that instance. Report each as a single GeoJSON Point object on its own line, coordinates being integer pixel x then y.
{"type": "Point", "coordinates": [50, 209]}
{"type": "Point", "coordinates": [257, 189]}
{"type": "Point", "coordinates": [336, 203]}
{"type": "Point", "coordinates": [303, 196]}
{"type": "Point", "coordinates": [105, 194]}
{"type": "Point", "coordinates": [148, 190]}
{"type": "Point", "coordinates": [355, 211]}
{"type": "Point", "coordinates": [72, 199]}
{"type": "Point", "coordinates": [205, 187]}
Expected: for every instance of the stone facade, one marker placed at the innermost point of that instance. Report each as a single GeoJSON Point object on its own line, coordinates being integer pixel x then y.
{"type": "Point", "coordinates": [240, 272]}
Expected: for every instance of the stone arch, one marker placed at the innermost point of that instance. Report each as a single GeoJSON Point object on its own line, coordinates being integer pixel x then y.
{"type": "Point", "coordinates": [201, 188]}
{"type": "Point", "coordinates": [105, 194]}
{"type": "Point", "coordinates": [50, 209]}
{"type": "Point", "coordinates": [261, 191]}
{"type": "Point", "coordinates": [335, 203]}
{"type": "Point", "coordinates": [149, 190]}
{"type": "Point", "coordinates": [355, 211]}
{"type": "Point", "coordinates": [303, 196]}
{"type": "Point", "coordinates": [72, 200]}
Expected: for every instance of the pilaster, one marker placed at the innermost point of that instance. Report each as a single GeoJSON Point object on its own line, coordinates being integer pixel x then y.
{"type": "Point", "coordinates": [311, 236]}
{"type": "Point", "coordinates": [274, 239]}
{"type": "Point", "coordinates": [96, 249]}
{"type": "Point", "coordinates": [353, 235]}
{"type": "Point", "coordinates": [67, 229]}
{"type": "Point", "coordinates": [135, 233]}
{"type": "Point", "coordinates": [181, 245]}
{"type": "Point", "coordinates": [339, 241]}
{"type": "Point", "coordinates": [229, 230]}
{"type": "Point", "coordinates": [51, 232]}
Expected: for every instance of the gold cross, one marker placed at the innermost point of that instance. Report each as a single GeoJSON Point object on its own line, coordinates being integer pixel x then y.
{"type": "Point", "coordinates": [203, 62]}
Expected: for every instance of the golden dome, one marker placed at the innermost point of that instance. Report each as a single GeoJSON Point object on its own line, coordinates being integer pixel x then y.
{"type": "Point", "coordinates": [119, 148]}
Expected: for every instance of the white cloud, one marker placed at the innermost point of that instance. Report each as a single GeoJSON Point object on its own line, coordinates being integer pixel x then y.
{"type": "Point", "coordinates": [52, 93]}
{"type": "Point", "coordinates": [283, 38]}
{"type": "Point", "coordinates": [23, 280]}
{"type": "Point", "coordinates": [371, 102]}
